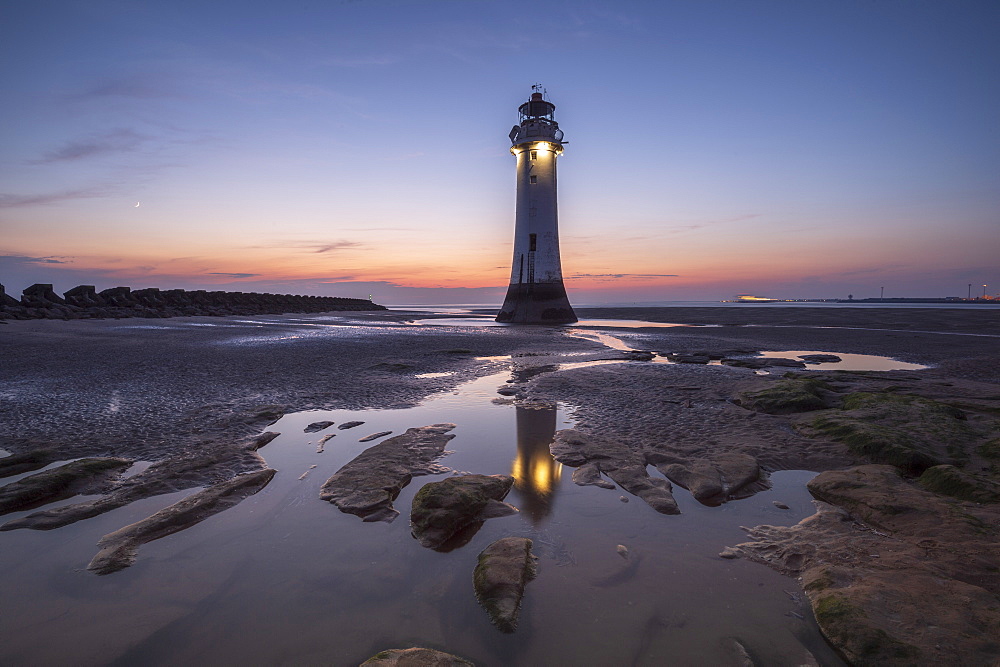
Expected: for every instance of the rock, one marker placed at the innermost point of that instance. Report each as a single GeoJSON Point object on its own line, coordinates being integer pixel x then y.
{"type": "Point", "coordinates": [441, 509]}
{"type": "Point", "coordinates": [684, 358]}
{"type": "Point", "coordinates": [639, 355]}
{"type": "Point", "coordinates": [819, 358]}
{"type": "Point", "coordinates": [713, 481]}
{"type": "Point", "coordinates": [910, 432]}
{"type": "Point", "coordinates": [624, 499]}
{"type": "Point", "coordinates": [347, 425]}
{"type": "Point", "coordinates": [930, 593]}
{"type": "Point", "coordinates": [787, 396]}
{"type": "Point", "coordinates": [614, 459]}
{"type": "Point", "coordinates": [15, 464]}
{"type": "Point", "coordinates": [120, 547]}
{"type": "Point", "coordinates": [589, 475]}
{"type": "Point", "coordinates": [780, 505]}
{"type": "Point", "coordinates": [508, 391]}
{"type": "Point", "coordinates": [415, 657]}
{"type": "Point", "coordinates": [763, 362]}
{"type": "Point", "coordinates": [375, 436]}
{"type": "Point", "coordinates": [699, 477]}
{"type": "Point", "coordinates": [504, 569]}
{"type": "Point", "coordinates": [317, 426]}
{"type": "Point", "coordinates": [729, 553]}
{"type": "Point", "coordinates": [622, 551]}
{"type": "Point", "coordinates": [952, 481]}
{"type": "Point", "coordinates": [83, 476]}
{"type": "Point", "coordinates": [367, 485]}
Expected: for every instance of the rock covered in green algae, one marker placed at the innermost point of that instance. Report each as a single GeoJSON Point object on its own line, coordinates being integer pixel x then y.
{"type": "Point", "coordinates": [916, 583]}
{"type": "Point", "coordinates": [442, 509]}
{"type": "Point", "coordinates": [83, 476]}
{"type": "Point", "coordinates": [910, 432]}
{"type": "Point", "coordinates": [118, 549]}
{"type": "Point", "coordinates": [787, 396]}
{"type": "Point", "coordinates": [951, 481]}
{"type": "Point", "coordinates": [504, 569]}
{"type": "Point", "coordinates": [415, 657]}
{"type": "Point", "coordinates": [368, 483]}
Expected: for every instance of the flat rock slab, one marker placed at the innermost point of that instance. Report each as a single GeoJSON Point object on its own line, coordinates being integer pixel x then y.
{"type": "Point", "coordinates": [504, 569]}
{"type": "Point", "coordinates": [415, 657]}
{"type": "Point", "coordinates": [347, 425]}
{"type": "Point", "coordinates": [83, 476]}
{"type": "Point", "coordinates": [617, 461]}
{"type": "Point", "coordinates": [118, 549]}
{"type": "Point", "coordinates": [367, 485]}
{"type": "Point", "coordinates": [375, 436]}
{"type": "Point", "coordinates": [442, 509]}
{"type": "Point", "coordinates": [317, 426]}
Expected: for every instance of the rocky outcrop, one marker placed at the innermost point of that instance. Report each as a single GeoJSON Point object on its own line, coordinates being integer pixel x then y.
{"type": "Point", "coordinates": [118, 549]}
{"type": "Point", "coordinates": [504, 569]}
{"type": "Point", "coordinates": [617, 461]}
{"type": "Point", "coordinates": [715, 480]}
{"type": "Point", "coordinates": [442, 509]}
{"type": "Point", "coordinates": [83, 476]}
{"type": "Point", "coordinates": [895, 574]}
{"type": "Point", "coordinates": [415, 657]}
{"type": "Point", "coordinates": [40, 301]}
{"type": "Point", "coordinates": [368, 484]}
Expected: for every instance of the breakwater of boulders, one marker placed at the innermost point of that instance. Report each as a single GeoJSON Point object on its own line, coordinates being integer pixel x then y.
{"type": "Point", "coordinates": [40, 302]}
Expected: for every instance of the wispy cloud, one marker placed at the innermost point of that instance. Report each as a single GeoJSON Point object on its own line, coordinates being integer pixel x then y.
{"type": "Point", "coordinates": [116, 141]}
{"type": "Point", "coordinates": [13, 200]}
{"type": "Point", "coordinates": [616, 276]}
{"type": "Point", "coordinates": [137, 86]}
{"type": "Point", "coordinates": [23, 259]}
{"type": "Point", "coordinates": [317, 247]}
{"type": "Point", "coordinates": [234, 275]}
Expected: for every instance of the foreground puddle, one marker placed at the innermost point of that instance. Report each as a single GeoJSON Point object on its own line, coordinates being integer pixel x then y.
{"type": "Point", "coordinates": [287, 578]}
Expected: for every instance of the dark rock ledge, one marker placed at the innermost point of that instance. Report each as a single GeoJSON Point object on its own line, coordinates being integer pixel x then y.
{"type": "Point", "coordinates": [118, 549]}
{"type": "Point", "coordinates": [367, 485]}
{"type": "Point", "coordinates": [40, 302]}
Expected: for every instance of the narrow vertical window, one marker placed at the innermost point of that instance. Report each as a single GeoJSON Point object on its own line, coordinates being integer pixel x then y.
{"type": "Point", "coordinates": [534, 155]}
{"type": "Point", "coordinates": [532, 242]}
{"type": "Point", "coordinates": [534, 179]}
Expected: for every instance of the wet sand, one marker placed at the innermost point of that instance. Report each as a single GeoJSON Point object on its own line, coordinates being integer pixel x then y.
{"type": "Point", "coordinates": [170, 390]}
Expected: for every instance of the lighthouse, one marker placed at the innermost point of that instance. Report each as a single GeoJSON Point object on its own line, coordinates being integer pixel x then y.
{"type": "Point", "coordinates": [536, 294]}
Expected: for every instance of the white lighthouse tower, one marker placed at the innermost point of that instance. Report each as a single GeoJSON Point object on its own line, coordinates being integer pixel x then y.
{"type": "Point", "coordinates": [536, 294]}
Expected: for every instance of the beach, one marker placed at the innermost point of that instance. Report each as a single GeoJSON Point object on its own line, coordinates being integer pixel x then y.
{"type": "Point", "coordinates": [190, 398]}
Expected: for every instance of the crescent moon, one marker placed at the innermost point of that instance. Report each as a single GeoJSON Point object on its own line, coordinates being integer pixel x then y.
{"type": "Point", "coordinates": [136, 205]}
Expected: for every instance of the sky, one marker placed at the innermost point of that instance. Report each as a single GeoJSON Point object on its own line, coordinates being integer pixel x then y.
{"type": "Point", "coordinates": [780, 148]}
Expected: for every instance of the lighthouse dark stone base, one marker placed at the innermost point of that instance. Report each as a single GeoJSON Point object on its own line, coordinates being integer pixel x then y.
{"type": "Point", "coordinates": [536, 294]}
{"type": "Point", "coordinates": [536, 303]}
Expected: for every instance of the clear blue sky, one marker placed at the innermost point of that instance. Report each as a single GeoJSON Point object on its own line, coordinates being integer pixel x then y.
{"type": "Point", "coordinates": [794, 149]}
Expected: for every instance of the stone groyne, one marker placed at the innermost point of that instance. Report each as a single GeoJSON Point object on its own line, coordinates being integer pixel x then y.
{"type": "Point", "coordinates": [40, 302]}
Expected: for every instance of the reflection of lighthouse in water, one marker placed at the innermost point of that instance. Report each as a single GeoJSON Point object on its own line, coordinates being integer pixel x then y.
{"type": "Point", "coordinates": [536, 474]}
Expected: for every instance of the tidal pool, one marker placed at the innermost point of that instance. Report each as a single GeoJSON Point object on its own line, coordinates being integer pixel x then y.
{"type": "Point", "coordinates": [285, 578]}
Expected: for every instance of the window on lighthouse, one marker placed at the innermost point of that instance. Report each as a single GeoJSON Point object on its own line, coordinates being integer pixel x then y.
{"type": "Point", "coordinates": [534, 155]}
{"type": "Point", "coordinates": [532, 242]}
{"type": "Point", "coordinates": [534, 179]}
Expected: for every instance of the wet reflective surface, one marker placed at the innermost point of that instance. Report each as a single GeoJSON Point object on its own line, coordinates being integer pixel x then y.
{"type": "Point", "coordinates": [284, 578]}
